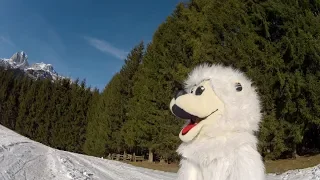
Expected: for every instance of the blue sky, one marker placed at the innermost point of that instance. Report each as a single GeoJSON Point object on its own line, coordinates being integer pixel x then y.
{"type": "Point", "coordinates": [80, 38]}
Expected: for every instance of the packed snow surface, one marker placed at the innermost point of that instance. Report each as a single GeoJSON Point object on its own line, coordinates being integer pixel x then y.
{"type": "Point", "coordinates": [22, 158]}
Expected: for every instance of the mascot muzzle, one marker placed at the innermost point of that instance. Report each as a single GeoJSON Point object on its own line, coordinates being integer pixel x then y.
{"type": "Point", "coordinates": [199, 106]}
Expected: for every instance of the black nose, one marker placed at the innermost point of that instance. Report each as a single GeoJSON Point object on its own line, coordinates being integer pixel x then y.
{"type": "Point", "coordinates": [180, 93]}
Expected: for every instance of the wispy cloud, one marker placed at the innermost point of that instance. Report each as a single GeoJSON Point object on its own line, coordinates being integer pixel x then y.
{"type": "Point", "coordinates": [106, 47]}
{"type": "Point", "coordinates": [6, 40]}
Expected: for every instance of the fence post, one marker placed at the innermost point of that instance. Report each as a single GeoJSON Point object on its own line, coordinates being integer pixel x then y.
{"type": "Point", "coordinates": [134, 157]}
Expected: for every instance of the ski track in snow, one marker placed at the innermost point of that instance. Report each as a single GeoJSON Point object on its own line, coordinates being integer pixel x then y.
{"type": "Point", "coordinates": [22, 158]}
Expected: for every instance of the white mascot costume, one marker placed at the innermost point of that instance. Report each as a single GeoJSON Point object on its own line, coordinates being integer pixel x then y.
{"type": "Point", "coordinates": [222, 110]}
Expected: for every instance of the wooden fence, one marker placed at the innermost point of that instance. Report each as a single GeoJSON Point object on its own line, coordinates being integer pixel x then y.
{"type": "Point", "coordinates": [126, 157]}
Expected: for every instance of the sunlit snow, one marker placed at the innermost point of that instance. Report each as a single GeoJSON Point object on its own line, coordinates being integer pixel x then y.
{"type": "Point", "coordinates": [22, 158]}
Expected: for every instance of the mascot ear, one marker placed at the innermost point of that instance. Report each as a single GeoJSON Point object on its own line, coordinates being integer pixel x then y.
{"type": "Point", "coordinates": [238, 87]}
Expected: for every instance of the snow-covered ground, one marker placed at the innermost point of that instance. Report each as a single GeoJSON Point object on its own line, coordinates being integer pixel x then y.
{"type": "Point", "coordinates": [22, 158]}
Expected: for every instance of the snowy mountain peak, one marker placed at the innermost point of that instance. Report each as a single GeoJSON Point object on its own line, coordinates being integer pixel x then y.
{"type": "Point", "coordinates": [19, 60]}
{"type": "Point", "coordinates": [42, 66]}
{"type": "Point", "coordinates": [38, 70]}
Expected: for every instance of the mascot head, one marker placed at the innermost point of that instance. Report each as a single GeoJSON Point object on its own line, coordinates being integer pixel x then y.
{"type": "Point", "coordinates": [216, 100]}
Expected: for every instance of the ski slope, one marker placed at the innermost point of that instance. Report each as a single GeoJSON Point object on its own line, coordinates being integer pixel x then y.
{"type": "Point", "coordinates": [22, 158]}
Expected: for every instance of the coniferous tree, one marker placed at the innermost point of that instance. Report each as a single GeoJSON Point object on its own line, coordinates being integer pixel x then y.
{"type": "Point", "coordinates": [22, 107]}
{"type": "Point", "coordinates": [6, 86]}
{"type": "Point", "coordinates": [10, 101]}
{"type": "Point", "coordinates": [79, 106]}
{"type": "Point", "coordinates": [87, 96]}
{"type": "Point", "coordinates": [41, 104]}
{"type": "Point", "coordinates": [92, 116]}
{"type": "Point", "coordinates": [104, 120]}
{"type": "Point", "coordinates": [26, 117]}
{"type": "Point", "coordinates": [61, 127]}
{"type": "Point", "coordinates": [113, 106]}
{"type": "Point", "coordinates": [51, 114]}
{"type": "Point", "coordinates": [127, 74]}
{"type": "Point", "coordinates": [149, 116]}
{"type": "Point", "coordinates": [12, 105]}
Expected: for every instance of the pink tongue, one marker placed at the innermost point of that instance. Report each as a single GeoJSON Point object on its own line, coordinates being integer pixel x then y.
{"type": "Point", "coordinates": [187, 128]}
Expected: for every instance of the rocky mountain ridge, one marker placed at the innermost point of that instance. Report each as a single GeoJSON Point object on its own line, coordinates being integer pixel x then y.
{"type": "Point", "coordinates": [19, 60]}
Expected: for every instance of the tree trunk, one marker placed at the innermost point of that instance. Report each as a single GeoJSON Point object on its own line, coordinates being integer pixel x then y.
{"type": "Point", "coordinates": [150, 155]}
{"type": "Point", "coordinates": [134, 157]}
{"type": "Point", "coordinates": [124, 155]}
{"type": "Point", "coordinates": [162, 161]}
{"type": "Point", "coordinates": [295, 154]}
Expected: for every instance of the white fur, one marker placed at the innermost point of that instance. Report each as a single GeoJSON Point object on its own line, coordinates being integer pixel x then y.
{"type": "Point", "coordinates": [226, 149]}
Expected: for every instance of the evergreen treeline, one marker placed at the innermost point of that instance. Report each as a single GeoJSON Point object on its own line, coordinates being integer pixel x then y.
{"type": "Point", "coordinates": [54, 114]}
{"type": "Point", "coordinates": [275, 42]}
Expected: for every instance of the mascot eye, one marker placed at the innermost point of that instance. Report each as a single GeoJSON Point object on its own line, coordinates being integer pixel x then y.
{"type": "Point", "coordinates": [199, 90]}
{"type": "Point", "coordinates": [238, 87]}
